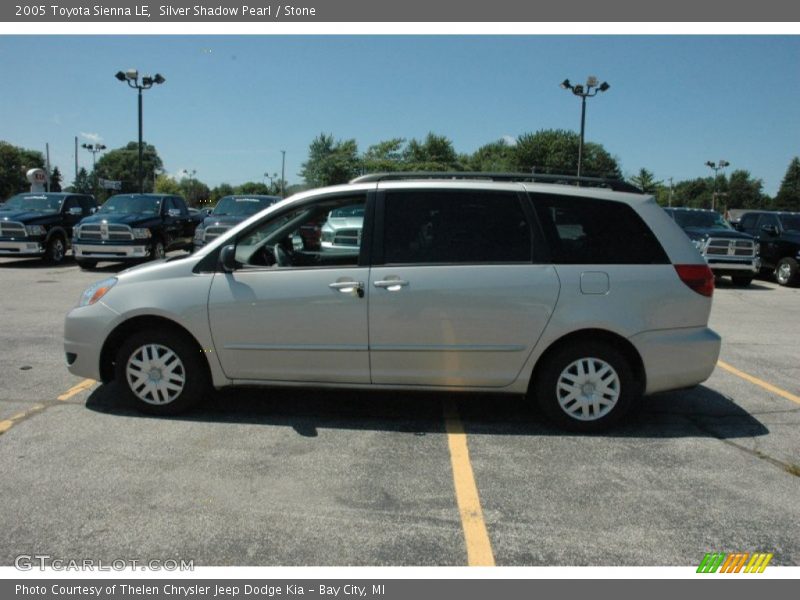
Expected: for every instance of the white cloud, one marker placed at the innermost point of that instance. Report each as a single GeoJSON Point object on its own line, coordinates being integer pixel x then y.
{"type": "Point", "coordinates": [510, 140]}
{"type": "Point", "coordinates": [95, 138]}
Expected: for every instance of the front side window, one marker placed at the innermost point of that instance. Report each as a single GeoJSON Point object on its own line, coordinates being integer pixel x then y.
{"type": "Point", "coordinates": [295, 238]}
{"type": "Point", "coordinates": [590, 231]}
{"type": "Point", "coordinates": [749, 221]}
{"type": "Point", "coordinates": [453, 226]}
{"type": "Point", "coordinates": [790, 222]}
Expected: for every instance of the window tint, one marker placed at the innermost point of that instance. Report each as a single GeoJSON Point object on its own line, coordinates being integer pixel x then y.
{"type": "Point", "coordinates": [70, 202]}
{"type": "Point", "coordinates": [180, 205]}
{"type": "Point", "coordinates": [770, 220]}
{"type": "Point", "coordinates": [433, 227]}
{"type": "Point", "coordinates": [596, 232]}
{"type": "Point", "coordinates": [749, 221]}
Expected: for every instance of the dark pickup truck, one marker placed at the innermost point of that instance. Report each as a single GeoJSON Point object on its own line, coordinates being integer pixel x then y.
{"type": "Point", "coordinates": [778, 235]}
{"type": "Point", "coordinates": [727, 251]}
{"type": "Point", "coordinates": [41, 224]}
{"type": "Point", "coordinates": [230, 211]}
{"type": "Point", "coordinates": [134, 227]}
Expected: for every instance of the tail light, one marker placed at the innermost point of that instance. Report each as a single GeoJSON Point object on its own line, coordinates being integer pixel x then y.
{"type": "Point", "coordinates": [698, 277]}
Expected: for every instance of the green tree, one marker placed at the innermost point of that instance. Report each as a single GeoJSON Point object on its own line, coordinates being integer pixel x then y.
{"type": "Point", "coordinates": [55, 180]}
{"type": "Point", "coordinates": [330, 162]}
{"type": "Point", "coordinates": [384, 156]}
{"type": "Point", "coordinates": [167, 185]}
{"type": "Point", "coordinates": [434, 153]}
{"type": "Point", "coordinates": [223, 189]}
{"type": "Point", "coordinates": [84, 183]}
{"type": "Point", "coordinates": [743, 191]}
{"type": "Point", "coordinates": [694, 193]}
{"type": "Point", "coordinates": [121, 164]}
{"type": "Point", "coordinates": [194, 191]}
{"type": "Point", "coordinates": [253, 187]}
{"type": "Point", "coordinates": [646, 181]}
{"type": "Point", "coordinates": [499, 156]}
{"type": "Point", "coordinates": [14, 163]}
{"type": "Point", "coordinates": [556, 151]}
{"type": "Point", "coordinates": [788, 197]}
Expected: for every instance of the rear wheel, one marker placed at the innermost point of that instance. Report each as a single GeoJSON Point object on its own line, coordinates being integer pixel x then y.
{"type": "Point", "coordinates": [743, 281]}
{"type": "Point", "coordinates": [786, 271]}
{"type": "Point", "coordinates": [161, 372]}
{"type": "Point", "coordinates": [586, 386]}
{"type": "Point", "coordinates": [56, 250]}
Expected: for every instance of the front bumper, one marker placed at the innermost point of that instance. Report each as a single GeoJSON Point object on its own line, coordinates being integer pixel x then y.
{"type": "Point", "coordinates": [21, 248]}
{"type": "Point", "coordinates": [85, 332]}
{"type": "Point", "coordinates": [723, 266]}
{"type": "Point", "coordinates": [111, 251]}
{"type": "Point", "coordinates": [677, 358]}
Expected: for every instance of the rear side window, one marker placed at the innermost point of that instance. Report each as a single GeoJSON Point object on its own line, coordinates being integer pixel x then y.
{"type": "Point", "coordinates": [588, 231]}
{"type": "Point", "coordinates": [445, 227]}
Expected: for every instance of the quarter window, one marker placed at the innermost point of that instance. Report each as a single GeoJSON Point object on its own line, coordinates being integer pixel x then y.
{"type": "Point", "coordinates": [596, 232]}
{"type": "Point", "coordinates": [440, 227]}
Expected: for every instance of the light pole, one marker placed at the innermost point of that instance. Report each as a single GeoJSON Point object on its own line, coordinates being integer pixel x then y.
{"type": "Point", "coordinates": [94, 149]}
{"type": "Point", "coordinates": [283, 171]}
{"type": "Point", "coordinates": [131, 76]}
{"type": "Point", "coordinates": [583, 92]}
{"type": "Point", "coordinates": [271, 178]}
{"type": "Point", "coordinates": [192, 181]}
{"type": "Point", "coordinates": [716, 168]}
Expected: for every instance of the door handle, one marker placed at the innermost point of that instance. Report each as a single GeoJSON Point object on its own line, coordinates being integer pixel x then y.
{"type": "Point", "coordinates": [391, 285]}
{"type": "Point", "coordinates": [348, 287]}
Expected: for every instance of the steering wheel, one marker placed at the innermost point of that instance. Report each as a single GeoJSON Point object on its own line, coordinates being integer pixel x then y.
{"type": "Point", "coordinates": [282, 258]}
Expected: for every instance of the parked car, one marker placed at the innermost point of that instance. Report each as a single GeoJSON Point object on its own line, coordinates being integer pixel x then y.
{"type": "Point", "coordinates": [727, 251]}
{"type": "Point", "coordinates": [343, 227]}
{"type": "Point", "coordinates": [134, 227]}
{"type": "Point", "coordinates": [229, 211]}
{"type": "Point", "coordinates": [778, 235]}
{"type": "Point", "coordinates": [40, 224]}
{"type": "Point", "coordinates": [585, 298]}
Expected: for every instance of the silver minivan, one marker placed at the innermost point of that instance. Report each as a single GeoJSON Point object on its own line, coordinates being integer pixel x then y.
{"type": "Point", "coordinates": [585, 298]}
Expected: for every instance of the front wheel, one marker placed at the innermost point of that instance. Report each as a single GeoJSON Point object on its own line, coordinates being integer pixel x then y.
{"type": "Point", "coordinates": [161, 371]}
{"type": "Point", "coordinates": [586, 386]}
{"type": "Point", "coordinates": [158, 250]}
{"type": "Point", "coordinates": [786, 272]}
{"type": "Point", "coordinates": [56, 250]}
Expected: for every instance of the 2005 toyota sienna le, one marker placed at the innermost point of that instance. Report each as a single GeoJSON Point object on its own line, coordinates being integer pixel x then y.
{"type": "Point", "coordinates": [584, 297]}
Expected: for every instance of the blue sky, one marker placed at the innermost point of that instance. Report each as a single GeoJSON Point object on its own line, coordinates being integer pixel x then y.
{"type": "Point", "coordinates": [231, 103]}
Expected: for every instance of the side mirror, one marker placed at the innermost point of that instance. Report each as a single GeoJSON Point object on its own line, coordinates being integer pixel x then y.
{"type": "Point", "coordinates": [75, 211]}
{"type": "Point", "coordinates": [92, 210]}
{"type": "Point", "coordinates": [174, 212]}
{"type": "Point", "coordinates": [770, 229]}
{"type": "Point", "coordinates": [736, 225]}
{"type": "Point", "coordinates": [227, 258]}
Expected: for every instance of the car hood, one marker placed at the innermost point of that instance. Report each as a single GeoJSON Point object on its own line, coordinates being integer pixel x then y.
{"type": "Point", "coordinates": [226, 220]}
{"type": "Point", "coordinates": [701, 233]}
{"type": "Point", "coordinates": [29, 217]}
{"type": "Point", "coordinates": [121, 218]}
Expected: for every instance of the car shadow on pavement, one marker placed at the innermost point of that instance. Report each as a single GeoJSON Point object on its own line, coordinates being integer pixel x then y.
{"type": "Point", "coordinates": [724, 284]}
{"type": "Point", "coordinates": [696, 412]}
{"type": "Point", "coordinates": [35, 263]}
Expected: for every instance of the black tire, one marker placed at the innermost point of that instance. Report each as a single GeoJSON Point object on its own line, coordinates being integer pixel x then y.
{"type": "Point", "coordinates": [86, 265]}
{"type": "Point", "coordinates": [742, 280]}
{"type": "Point", "coordinates": [145, 385]}
{"type": "Point", "coordinates": [786, 271]}
{"type": "Point", "coordinates": [550, 395]}
{"type": "Point", "coordinates": [158, 250]}
{"type": "Point", "coordinates": [56, 250]}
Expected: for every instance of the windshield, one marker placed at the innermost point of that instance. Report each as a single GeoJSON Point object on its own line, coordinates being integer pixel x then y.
{"type": "Point", "coordinates": [790, 222]}
{"type": "Point", "coordinates": [356, 210]}
{"type": "Point", "coordinates": [121, 205]}
{"type": "Point", "coordinates": [34, 203]}
{"type": "Point", "coordinates": [241, 206]}
{"type": "Point", "coordinates": [700, 218]}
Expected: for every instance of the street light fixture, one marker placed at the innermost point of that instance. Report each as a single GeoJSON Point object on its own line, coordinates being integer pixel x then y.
{"type": "Point", "coordinates": [94, 149]}
{"type": "Point", "coordinates": [590, 90]}
{"type": "Point", "coordinates": [131, 77]}
{"type": "Point", "coordinates": [716, 167]}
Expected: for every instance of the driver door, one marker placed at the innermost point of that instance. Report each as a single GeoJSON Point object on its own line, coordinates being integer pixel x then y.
{"type": "Point", "coordinates": [293, 310]}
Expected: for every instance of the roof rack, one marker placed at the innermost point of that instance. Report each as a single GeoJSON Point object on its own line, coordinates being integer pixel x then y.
{"type": "Point", "coordinates": [617, 185]}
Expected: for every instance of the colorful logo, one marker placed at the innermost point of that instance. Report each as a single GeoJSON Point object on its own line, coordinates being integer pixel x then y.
{"type": "Point", "coordinates": [735, 562]}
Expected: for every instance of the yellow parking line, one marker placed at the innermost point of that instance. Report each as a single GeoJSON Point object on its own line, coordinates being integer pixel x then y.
{"type": "Point", "coordinates": [7, 424]}
{"type": "Point", "coordinates": [76, 389]}
{"type": "Point", "coordinates": [479, 548]}
{"type": "Point", "coordinates": [760, 382]}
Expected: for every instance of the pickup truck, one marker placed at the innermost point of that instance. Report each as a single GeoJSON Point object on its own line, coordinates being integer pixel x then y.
{"type": "Point", "coordinates": [727, 251]}
{"type": "Point", "coordinates": [778, 235]}
{"type": "Point", "coordinates": [134, 227]}
{"type": "Point", "coordinates": [41, 224]}
{"type": "Point", "coordinates": [229, 211]}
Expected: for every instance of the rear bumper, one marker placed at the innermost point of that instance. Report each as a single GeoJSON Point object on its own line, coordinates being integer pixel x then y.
{"type": "Point", "coordinates": [21, 248]}
{"type": "Point", "coordinates": [677, 358]}
{"type": "Point", "coordinates": [113, 252]}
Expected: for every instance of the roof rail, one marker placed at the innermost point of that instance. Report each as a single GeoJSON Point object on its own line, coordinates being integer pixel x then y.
{"type": "Point", "coordinates": [617, 185]}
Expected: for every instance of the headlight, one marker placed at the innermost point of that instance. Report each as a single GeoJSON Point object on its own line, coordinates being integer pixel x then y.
{"type": "Point", "coordinates": [199, 234]}
{"type": "Point", "coordinates": [699, 244]}
{"type": "Point", "coordinates": [34, 230]}
{"type": "Point", "coordinates": [96, 291]}
{"type": "Point", "coordinates": [141, 234]}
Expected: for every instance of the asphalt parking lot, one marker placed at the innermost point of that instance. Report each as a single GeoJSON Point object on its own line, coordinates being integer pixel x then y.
{"type": "Point", "coordinates": [266, 477]}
